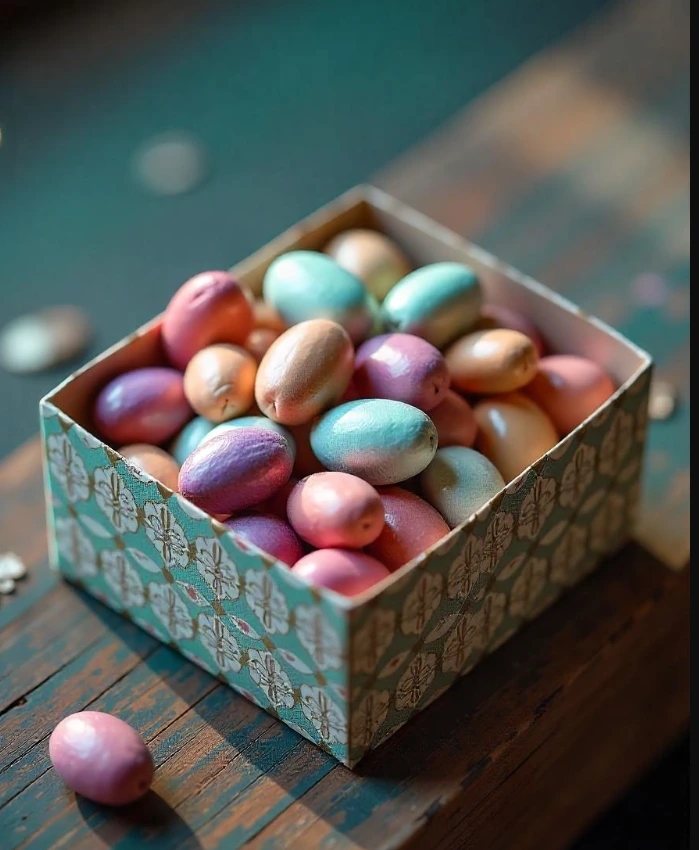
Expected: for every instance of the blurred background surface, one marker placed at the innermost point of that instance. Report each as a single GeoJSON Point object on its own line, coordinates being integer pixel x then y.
{"type": "Point", "coordinates": [270, 109]}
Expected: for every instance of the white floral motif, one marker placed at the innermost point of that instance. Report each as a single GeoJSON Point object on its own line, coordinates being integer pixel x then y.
{"type": "Point", "coordinates": [465, 572]}
{"type": "Point", "coordinates": [121, 576]}
{"type": "Point", "coordinates": [607, 525]}
{"type": "Point", "coordinates": [67, 468]}
{"type": "Point", "coordinates": [76, 547]}
{"type": "Point", "coordinates": [266, 672]}
{"type": "Point", "coordinates": [414, 682]}
{"type": "Point", "coordinates": [578, 475]}
{"type": "Point", "coordinates": [325, 716]}
{"type": "Point", "coordinates": [170, 610]}
{"type": "Point", "coordinates": [318, 637]}
{"type": "Point", "coordinates": [616, 443]}
{"type": "Point", "coordinates": [115, 500]}
{"type": "Point", "coordinates": [372, 640]}
{"type": "Point", "coordinates": [166, 534]}
{"type": "Point", "coordinates": [368, 716]}
{"type": "Point", "coordinates": [528, 587]}
{"type": "Point", "coordinates": [223, 647]}
{"type": "Point", "coordinates": [536, 508]}
{"type": "Point", "coordinates": [266, 601]}
{"type": "Point", "coordinates": [216, 568]}
{"type": "Point", "coordinates": [497, 539]}
{"type": "Point", "coordinates": [568, 554]}
{"type": "Point", "coordinates": [421, 603]}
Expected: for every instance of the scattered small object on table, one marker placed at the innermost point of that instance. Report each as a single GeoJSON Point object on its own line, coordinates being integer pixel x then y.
{"type": "Point", "coordinates": [171, 164]}
{"type": "Point", "coordinates": [12, 569]}
{"type": "Point", "coordinates": [663, 401]}
{"type": "Point", "coordinates": [45, 339]}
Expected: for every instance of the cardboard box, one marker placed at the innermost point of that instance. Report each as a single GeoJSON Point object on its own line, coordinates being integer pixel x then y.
{"type": "Point", "coordinates": [345, 673]}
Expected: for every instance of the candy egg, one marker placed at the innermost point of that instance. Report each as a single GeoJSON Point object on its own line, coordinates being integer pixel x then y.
{"type": "Point", "coordinates": [209, 308]}
{"type": "Point", "coordinates": [258, 342]}
{"type": "Point", "coordinates": [402, 367]}
{"type": "Point", "coordinates": [306, 463]}
{"type": "Point", "coordinates": [380, 440]}
{"type": "Point", "coordinates": [495, 316]}
{"type": "Point", "coordinates": [454, 420]}
{"type": "Point", "coordinates": [345, 571]}
{"type": "Point", "coordinates": [458, 482]}
{"type": "Point", "coordinates": [372, 257]}
{"type": "Point", "coordinates": [189, 438]}
{"type": "Point", "coordinates": [334, 509]}
{"type": "Point", "coordinates": [253, 422]}
{"type": "Point", "coordinates": [438, 302]}
{"type": "Point", "coordinates": [142, 406]}
{"type": "Point", "coordinates": [276, 504]}
{"type": "Point", "coordinates": [492, 361]}
{"type": "Point", "coordinates": [305, 371]}
{"type": "Point", "coordinates": [219, 381]}
{"type": "Point", "coordinates": [269, 533]}
{"type": "Point", "coordinates": [162, 466]}
{"type": "Point", "coordinates": [304, 285]}
{"type": "Point", "coordinates": [266, 317]}
{"type": "Point", "coordinates": [101, 757]}
{"type": "Point", "coordinates": [236, 470]}
{"type": "Point", "coordinates": [570, 389]}
{"type": "Point", "coordinates": [411, 527]}
{"type": "Point", "coordinates": [513, 432]}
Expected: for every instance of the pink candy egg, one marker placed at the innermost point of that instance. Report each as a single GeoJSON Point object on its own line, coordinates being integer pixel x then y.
{"type": "Point", "coordinates": [412, 526]}
{"type": "Point", "coordinates": [210, 307]}
{"type": "Point", "coordinates": [235, 470]}
{"type": "Point", "coordinates": [454, 420]}
{"type": "Point", "coordinates": [345, 571]}
{"type": "Point", "coordinates": [495, 316]}
{"type": "Point", "coordinates": [270, 534]}
{"type": "Point", "coordinates": [101, 757]}
{"type": "Point", "coordinates": [335, 509]}
{"type": "Point", "coordinates": [142, 406]}
{"type": "Point", "coordinates": [569, 389]}
{"type": "Point", "coordinates": [401, 367]}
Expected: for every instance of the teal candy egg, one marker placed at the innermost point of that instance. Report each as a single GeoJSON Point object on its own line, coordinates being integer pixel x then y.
{"type": "Point", "coordinates": [253, 422]}
{"type": "Point", "coordinates": [304, 285]}
{"type": "Point", "coordinates": [438, 302]}
{"type": "Point", "coordinates": [458, 482]}
{"type": "Point", "coordinates": [189, 438]}
{"type": "Point", "coordinates": [379, 440]}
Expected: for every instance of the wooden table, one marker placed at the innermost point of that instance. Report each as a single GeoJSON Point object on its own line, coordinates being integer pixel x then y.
{"type": "Point", "coordinates": [575, 169]}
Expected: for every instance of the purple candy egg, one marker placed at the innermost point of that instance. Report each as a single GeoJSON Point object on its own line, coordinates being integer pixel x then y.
{"type": "Point", "coordinates": [236, 470]}
{"type": "Point", "coordinates": [143, 406]}
{"type": "Point", "coordinates": [270, 534]}
{"type": "Point", "coordinates": [101, 757]}
{"type": "Point", "coordinates": [401, 367]}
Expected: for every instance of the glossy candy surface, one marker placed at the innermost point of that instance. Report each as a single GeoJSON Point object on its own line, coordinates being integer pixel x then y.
{"type": "Point", "coordinates": [269, 533]}
{"type": "Point", "coordinates": [492, 361]}
{"type": "Point", "coordinates": [219, 381]}
{"type": "Point", "coordinates": [253, 422]}
{"type": "Point", "coordinates": [372, 257]}
{"type": "Point", "coordinates": [345, 571]}
{"type": "Point", "coordinates": [496, 316]}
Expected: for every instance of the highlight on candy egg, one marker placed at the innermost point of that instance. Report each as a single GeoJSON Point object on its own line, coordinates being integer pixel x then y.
{"type": "Point", "coordinates": [353, 415]}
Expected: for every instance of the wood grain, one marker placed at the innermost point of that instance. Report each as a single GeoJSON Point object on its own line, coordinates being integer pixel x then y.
{"type": "Point", "coordinates": [574, 169]}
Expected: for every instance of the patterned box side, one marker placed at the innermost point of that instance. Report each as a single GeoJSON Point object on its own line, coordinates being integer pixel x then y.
{"type": "Point", "coordinates": [150, 555]}
{"type": "Point", "coordinates": [474, 591]}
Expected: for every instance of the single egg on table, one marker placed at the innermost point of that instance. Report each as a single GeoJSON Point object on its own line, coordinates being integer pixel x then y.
{"type": "Point", "coordinates": [253, 422]}
{"type": "Point", "coordinates": [269, 533]}
{"type": "Point", "coordinates": [492, 361]}
{"type": "Point", "coordinates": [496, 316]}
{"type": "Point", "coordinates": [142, 406]}
{"type": "Point", "coordinates": [303, 285]}
{"type": "Point", "coordinates": [411, 527]}
{"type": "Point", "coordinates": [402, 367]}
{"type": "Point", "coordinates": [219, 381]}
{"type": "Point", "coordinates": [305, 371]}
{"type": "Point", "coordinates": [101, 757]}
{"type": "Point", "coordinates": [454, 420]}
{"type": "Point", "coordinates": [569, 389]}
{"type": "Point", "coordinates": [335, 510]}
{"type": "Point", "coordinates": [156, 462]}
{"type": "Point", "coordinates": [189, 438]}
{"type": "Point", "coordinates": [513, 432]}
{"type": "Point", "coordinates": [372, 257]}
{"type": "Point", "coordinates": [211, 307]}
{"type": "Point", "coordinates": [379, 440]}
{"type": "Point", "coordinates": [459, 482]}
{"type": "Point", "coordinates": [345, 571]}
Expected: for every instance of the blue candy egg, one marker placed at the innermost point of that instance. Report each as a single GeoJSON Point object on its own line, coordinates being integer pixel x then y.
{"type": "Point", "coordinates": [189, 438]}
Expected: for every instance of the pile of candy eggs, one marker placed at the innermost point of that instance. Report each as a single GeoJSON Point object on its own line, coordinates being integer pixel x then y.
{"type": "Point", "coordinates": [353, 415]}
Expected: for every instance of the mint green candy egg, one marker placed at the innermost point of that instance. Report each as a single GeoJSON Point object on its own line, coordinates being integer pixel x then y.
{"type": "Point", "coordinates": [253, 422]}
{"type": "Point", "coordinates": [379, 440]}
{"type": "Point", "coordinates": [438, 302]}
{"type": "Point", "coordinates": [304, 285]}
{"type": "Point", "coordinates": [458, 483]}
{"type": "Point", "coordinates": [189, 438]}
